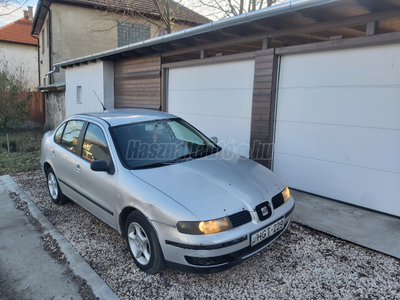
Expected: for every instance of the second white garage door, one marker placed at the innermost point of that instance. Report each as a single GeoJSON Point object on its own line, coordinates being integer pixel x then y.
{"type": "Point", "coordinates": [216, 99]}
{"type": "Point", "coordinates": [338, 125]}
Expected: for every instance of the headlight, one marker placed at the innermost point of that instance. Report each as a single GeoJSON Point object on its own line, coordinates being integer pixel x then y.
{"type": "Point", "coordinates": [204, 227]}
{"type": "Point", "coordinates": [286, 194]}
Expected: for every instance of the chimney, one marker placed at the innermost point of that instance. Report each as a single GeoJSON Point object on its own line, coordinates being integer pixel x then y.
{"type": "Point", "coordinates": [30, 12]}
{"type": "Point", "coordinates": [25, 14]}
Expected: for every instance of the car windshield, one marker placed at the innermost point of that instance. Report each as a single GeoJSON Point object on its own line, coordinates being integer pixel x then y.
{"type": "Point", "coordinates": [159, 143]}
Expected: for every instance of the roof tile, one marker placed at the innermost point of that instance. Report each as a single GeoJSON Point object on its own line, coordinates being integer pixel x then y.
{"type": "Point", "coordinates": [181, 13]}
{"type": "Point", "coordinates": [18, 32]}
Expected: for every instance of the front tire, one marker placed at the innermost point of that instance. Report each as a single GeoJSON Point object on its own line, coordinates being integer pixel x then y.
{"type": "Point", "coordinates": [54, 188]}
{"type": "Point", "coordinates": [143, 244]}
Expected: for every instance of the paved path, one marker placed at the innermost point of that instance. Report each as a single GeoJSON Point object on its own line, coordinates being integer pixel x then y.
{"type": "Point", "coordinates": [27, 271]}
{"type": "Point", "coordinates": [361, 226]}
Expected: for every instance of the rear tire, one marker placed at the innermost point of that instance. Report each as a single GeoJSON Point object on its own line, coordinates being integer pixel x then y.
{"type": "Point", "coordinates": [54, 188]}
{"type": "Point", "coordinates": [143, 244]}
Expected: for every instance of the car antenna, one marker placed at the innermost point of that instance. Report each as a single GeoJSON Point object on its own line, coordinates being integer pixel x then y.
{"type": "Point", "coordinates": [104, 108]}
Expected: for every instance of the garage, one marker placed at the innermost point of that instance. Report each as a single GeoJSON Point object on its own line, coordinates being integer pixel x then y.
{"type": "Point", "coordinates": [337, 128]}
{"type": "Point", "coordinates": [217, 99]}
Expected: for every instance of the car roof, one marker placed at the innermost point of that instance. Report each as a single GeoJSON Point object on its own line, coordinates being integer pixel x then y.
{"type": "Point", "coordinates": [116, 117]}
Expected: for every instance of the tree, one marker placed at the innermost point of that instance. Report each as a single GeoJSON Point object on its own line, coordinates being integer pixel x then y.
{"type": "Point", "coordinates": [8, 7]}
{"type": "Point", "coordinates": [221, 9]}
{"type": "Point", "coordinates": [13, 107]}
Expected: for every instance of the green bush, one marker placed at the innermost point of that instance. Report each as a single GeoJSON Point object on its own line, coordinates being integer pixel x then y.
{"type": "Point", "coordinates": [13, 106]}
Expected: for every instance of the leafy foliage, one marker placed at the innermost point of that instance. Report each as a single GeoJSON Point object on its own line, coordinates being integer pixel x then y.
{"type": "Point", "coordinates": [13, 103]}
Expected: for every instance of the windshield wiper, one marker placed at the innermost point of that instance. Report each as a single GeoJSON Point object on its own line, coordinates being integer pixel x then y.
{"type": "Point", "coordinates": [154, 165]}
{"type": "Point", "coordinates": [205, 152]}
{"type": "Point", "coordinates": [189, 155]}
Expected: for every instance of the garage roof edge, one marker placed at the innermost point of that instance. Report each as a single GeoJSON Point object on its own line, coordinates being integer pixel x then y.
{"type": "Point", "coordinates": [279, 9]}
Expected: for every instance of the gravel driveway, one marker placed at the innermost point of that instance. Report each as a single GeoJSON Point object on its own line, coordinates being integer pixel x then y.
{"type": "Point", "coordinates": [302, 264]}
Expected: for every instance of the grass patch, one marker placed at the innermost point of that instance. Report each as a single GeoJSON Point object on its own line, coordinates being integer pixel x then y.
{"type": "Point", "coordinates": [24, 152]}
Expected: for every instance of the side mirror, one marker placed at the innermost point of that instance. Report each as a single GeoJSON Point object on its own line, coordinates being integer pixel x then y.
{"type": "Point", "coordinates": [100, 165]}
{"type": "Point", "coordinates": [214, 139]}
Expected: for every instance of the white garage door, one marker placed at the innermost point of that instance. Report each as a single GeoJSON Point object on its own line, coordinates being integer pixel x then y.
{"type": "Point", "coordinates": [216, 99]}
{"type": "Point", "coordinates": [338, 125]}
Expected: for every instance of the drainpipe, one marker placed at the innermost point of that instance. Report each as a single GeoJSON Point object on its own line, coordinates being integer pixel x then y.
{"type": "Point", "coordinates": [38, 58]}
{"type": "Point", "coordinates": [55, 69]}
{"type": "Point", "coordinates": [50, 43]}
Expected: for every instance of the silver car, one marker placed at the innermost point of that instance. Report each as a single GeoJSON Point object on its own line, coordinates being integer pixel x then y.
{"type": "Point", "coordinates": [180, 200]}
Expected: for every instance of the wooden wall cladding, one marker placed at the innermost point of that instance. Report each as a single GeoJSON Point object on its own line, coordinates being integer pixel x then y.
{"type": "Point", "coordinates": [261, 139]}
{"type": "Point", "coordinates": [137, 83]}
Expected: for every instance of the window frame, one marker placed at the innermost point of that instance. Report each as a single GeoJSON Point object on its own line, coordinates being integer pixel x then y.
{"type": "Point", "coordinates": [105, 137]}
{"type": "Point", "coordinates": [64, 124]}
{"type": "Point", "coordinates": [78, 145]}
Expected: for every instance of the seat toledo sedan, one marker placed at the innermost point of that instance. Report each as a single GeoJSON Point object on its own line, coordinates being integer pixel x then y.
{"type": "Point", "coordinates": [180, 200]}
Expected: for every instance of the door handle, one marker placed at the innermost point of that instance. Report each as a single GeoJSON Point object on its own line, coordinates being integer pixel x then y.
{"type": "Point", "coordinates": [53, 153]}
{"type": "Point", "coordinates": [78, 168]}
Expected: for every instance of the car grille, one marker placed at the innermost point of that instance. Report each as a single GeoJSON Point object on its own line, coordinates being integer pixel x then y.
{"type": "Point", "coordinates": [240, 218]}
{"type": "Point", "coordinates": [277, 200]}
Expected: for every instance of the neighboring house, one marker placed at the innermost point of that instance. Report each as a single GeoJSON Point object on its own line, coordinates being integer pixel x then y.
{"type": "Point", "coordinates": [18, 49]}
{"type": "Point", "coordinates": [317, 80]}
{"type": "Point", "coordinates": [73, 28]}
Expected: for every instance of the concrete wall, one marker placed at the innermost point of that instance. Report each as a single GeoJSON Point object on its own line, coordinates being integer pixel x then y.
{"type": "Point", "coordinates": [94, 77]}
{"type": "Point", "coordinates": [55, 108]}
{"type": "Point", "coordinates": [23, 57]}
{"type": "Point", "coordinates": [79, 31]}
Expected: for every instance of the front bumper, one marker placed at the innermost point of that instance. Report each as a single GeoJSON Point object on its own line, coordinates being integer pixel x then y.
{"type": "Point", "coordinates": [214, 257]}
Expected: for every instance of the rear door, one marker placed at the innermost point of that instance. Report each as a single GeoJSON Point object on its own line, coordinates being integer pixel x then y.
{"type": "Point", "coordinates": [64, 155]}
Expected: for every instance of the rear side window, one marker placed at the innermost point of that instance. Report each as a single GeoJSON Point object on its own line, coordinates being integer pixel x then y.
{"type": "Point", "coordinates": [71, 135]}
{"type": "Point", "coordinates": [95, 145]}
{"type": "Point", "coordinates": [57, 136]}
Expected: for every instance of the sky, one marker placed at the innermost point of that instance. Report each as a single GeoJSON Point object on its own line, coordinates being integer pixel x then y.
{"type": "Point", "coordinates": [11, 11]}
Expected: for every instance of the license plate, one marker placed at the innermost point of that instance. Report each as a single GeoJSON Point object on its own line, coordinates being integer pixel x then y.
{"type": "Point", "coordinates": [267, 232]}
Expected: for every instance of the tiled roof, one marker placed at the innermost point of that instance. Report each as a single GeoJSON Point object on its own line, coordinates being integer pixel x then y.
{"type": "Point", "coordinates": [181, 13]}
{"type": "Point", "coordinates": [18, 32]}
{"type": "Point", "coordinates": [147, 7]}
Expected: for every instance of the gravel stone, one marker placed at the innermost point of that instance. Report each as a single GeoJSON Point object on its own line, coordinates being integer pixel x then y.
{"type": "Point", "coordinates": [302, 264]}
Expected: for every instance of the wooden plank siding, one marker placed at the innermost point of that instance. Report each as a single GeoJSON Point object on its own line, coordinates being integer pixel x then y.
{"type": "Point", "coordinates": [263, 108]}
{"type": "Point", "coordinates": [137, 83]}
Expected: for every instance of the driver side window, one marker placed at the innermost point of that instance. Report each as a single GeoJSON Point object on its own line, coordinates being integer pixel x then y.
{"type": "Point", "coordinates": [95, 145]}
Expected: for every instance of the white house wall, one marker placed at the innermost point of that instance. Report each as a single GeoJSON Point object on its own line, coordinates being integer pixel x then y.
{"type": "Point", "coordinates": [93, 77]}
{"type": "Point", "coordinates": [19, 56]}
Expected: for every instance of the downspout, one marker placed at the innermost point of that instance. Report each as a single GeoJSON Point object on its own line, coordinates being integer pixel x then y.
{"type": "Point", "coordinates": [50, 43]}
{"type": "Point", "coordinates": [38, 50]}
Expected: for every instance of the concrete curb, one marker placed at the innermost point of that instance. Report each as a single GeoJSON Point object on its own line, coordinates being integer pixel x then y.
{"type": "Point", "coordinates": [76, 263]}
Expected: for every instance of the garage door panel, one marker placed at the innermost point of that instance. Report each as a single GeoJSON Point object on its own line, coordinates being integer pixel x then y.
{"type": "Point", "coordinates": [204, 102]}
{"type": "Point", "coordinates": [213, 76]}
{"type": "Point", "coordinates": [216, 99]}
{"type": "Point", "coordinates": [337, 128]}
{"type": "Point", "coordinates": [355, 146]}
{"type": "Point", "coordinates": [359, 185]}
{"type": "Point", "coordinates": [237, 142]}
{"type": "Point", "coordinates": [374, 68]}
{"type": "Point", "coordinates": [340, 106]}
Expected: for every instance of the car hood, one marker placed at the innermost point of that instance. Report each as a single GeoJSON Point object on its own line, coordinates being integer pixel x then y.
{"type": "Point", "coordinates": [214, 186]}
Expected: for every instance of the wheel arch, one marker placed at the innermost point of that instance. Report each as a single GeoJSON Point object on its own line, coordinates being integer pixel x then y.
{"type": "Point", "coordinates": [123, 216]}
{"type": "Point", "coordinates": [46, 167]}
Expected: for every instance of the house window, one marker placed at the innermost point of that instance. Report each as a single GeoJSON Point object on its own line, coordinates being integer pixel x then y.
{"type": "Point", "coordinates": [131, 33]}
{"type": "Point", "coordinates": [79, 94]}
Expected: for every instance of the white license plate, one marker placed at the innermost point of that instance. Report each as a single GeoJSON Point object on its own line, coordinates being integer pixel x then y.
{"type": "Point", "coordinates": [267, 232]}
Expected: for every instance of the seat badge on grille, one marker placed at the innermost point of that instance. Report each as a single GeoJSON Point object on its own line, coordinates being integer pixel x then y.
{"type": "Point", "coordinates": [264, 211]}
